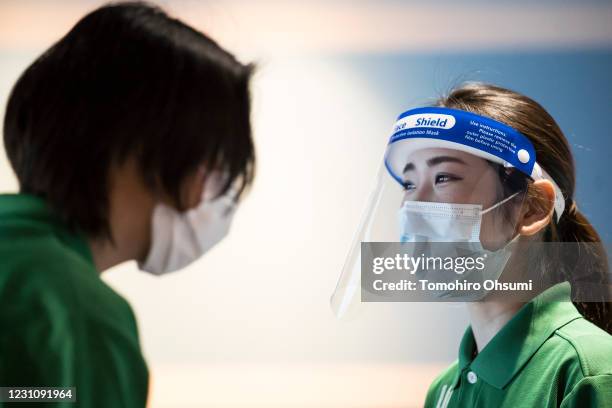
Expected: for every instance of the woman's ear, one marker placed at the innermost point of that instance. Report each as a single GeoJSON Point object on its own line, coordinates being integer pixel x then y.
{"type": "Point", "coordinates": [539, 207]}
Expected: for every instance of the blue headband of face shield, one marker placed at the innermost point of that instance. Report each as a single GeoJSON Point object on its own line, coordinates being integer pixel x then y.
{"type": "Point", "coordinates": [429, 127]}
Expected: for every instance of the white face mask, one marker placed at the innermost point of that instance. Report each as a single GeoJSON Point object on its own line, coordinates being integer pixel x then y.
{"type": "Point", "coordinates": [458, 227]}
{"type": "Point", "coordinates": [179, 239]}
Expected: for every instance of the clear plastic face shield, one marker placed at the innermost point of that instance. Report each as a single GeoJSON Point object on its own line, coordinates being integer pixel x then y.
{"type": "Point", "coordinates": [446, 206]}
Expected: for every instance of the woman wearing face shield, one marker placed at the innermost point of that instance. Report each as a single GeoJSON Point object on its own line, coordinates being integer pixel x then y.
{"type": "Point", "coordinates": [488, 174]}
{"type": "Point", "coordinates": [130, 139]}
{"type": "Point", "coordinates": [541, 353]}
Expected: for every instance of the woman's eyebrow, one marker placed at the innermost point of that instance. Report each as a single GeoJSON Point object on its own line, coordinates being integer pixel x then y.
{"type": "Point", "coordinates": [434, 161]}
{"type": "Point", "coordinates": [408, 167]}
{"type": "Point", "coordinates": [441, 159]}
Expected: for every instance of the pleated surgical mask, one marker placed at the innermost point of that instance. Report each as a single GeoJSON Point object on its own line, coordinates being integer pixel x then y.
{"type": "Point", "coordinates": [442, 222]}
{"type": "Point", "coordinates": [452, 231]}
{"type": "Point", "coordinates": [180, 238]}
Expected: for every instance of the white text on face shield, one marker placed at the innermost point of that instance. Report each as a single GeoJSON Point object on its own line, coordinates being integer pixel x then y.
{"type": "Point", "coordinates": [412, 264]}
{"type": "Point", "coordinates": [431, 120]}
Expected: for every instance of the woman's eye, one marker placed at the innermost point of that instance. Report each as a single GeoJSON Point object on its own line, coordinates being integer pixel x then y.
{"type": "Point", "coordinates": [408, 186]}
{"type": "Point", "coordinates": [444, 178]}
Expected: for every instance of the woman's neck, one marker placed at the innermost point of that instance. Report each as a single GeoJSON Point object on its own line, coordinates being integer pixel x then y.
{"type": "Point", "coordinates": [488, 317]}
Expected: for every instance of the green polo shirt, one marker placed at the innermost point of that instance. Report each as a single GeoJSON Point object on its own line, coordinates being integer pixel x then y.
{"type": "Point", "coordinates": [547, 355]}
{"type": "Point", "coordinates": [62, 326]}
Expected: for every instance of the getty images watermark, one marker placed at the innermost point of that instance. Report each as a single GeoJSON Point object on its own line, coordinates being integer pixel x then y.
{"type": "Point", "coordinates": [434, 265]}
{"type": "Point", "coordinates": [448, 272]}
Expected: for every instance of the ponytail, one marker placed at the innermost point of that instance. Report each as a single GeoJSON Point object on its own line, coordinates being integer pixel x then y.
{"type": "Point", "coordinates": [591, 266]}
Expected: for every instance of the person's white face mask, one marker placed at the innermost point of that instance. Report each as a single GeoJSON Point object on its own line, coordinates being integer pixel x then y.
{"type": "Point", "coordinates": [424, 221]}
{"type": "Point", "coordinates": [456, 229]}
{"type": "Point", "coordinates": [178, 239]}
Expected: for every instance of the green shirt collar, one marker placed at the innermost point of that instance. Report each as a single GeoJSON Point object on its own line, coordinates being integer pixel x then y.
{"type": "Point", "coordinates": [36, 210]}
{"type": "Point", "coordinates": [506, 354]}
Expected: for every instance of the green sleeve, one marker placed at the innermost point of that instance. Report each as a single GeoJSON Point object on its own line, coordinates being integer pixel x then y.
{"type": "Point", "coordinates": [46, 356]}
{"type": "Point", "coordinates": [593, 391]}
{"type": "Point", "coordinates": [62, 346]}
{"type": "Point", "coordinates": [37, 356]}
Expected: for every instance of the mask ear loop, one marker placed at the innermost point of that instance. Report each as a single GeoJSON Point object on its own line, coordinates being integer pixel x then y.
{"type": "Point", "coordinates": [505, 200]}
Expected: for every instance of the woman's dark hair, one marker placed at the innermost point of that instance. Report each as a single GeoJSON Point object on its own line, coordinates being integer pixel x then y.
{"type": "Point", "coordinates": [554, 155]}
{"type": "Point", "coordinates": [127, 81]}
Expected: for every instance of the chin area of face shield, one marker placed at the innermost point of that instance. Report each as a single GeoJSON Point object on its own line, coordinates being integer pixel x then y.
{"type": "Point", "coordinates": [451, 184]}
